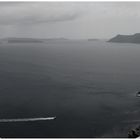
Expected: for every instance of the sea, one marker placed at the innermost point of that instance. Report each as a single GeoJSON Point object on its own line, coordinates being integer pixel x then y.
{"type": "Point", "coordinates": [88, 86]}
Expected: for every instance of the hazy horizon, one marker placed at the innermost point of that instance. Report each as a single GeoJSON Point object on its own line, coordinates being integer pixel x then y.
{"type": "Point", "coordinates": [71, 20]}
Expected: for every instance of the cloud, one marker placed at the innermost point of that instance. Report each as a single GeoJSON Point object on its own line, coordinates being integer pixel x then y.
{"type": "Point", "coordinates": [32, 13]}
{"type": "Point", "coordinates": [35, 13]}
{"type": "Point", "coordinates": [113, 9]}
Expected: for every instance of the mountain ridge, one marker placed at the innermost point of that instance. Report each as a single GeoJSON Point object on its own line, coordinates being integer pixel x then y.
{"type": "Point", "coordinates": [135, 38]}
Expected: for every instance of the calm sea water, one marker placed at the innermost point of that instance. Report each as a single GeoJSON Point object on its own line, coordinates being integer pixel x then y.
{"type": "Point", "coordinates": [88, 85]}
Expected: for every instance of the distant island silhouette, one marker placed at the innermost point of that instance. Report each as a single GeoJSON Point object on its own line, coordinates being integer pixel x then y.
{"type": "Point", "coordinates": [92, 39]}
{"type": "Point", "coordinates": [21, 40]}
{"type": "Point", "coordinates": [135, 38]}
{"type": "Point", "coordinates": [29, 40]}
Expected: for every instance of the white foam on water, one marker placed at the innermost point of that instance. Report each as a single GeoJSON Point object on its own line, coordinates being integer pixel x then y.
{"type": "Point", "coordinates": [27, 119]}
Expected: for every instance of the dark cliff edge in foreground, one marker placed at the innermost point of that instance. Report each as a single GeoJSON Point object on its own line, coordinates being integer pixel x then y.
{"type": "Point", "coordinates": [126, 38]}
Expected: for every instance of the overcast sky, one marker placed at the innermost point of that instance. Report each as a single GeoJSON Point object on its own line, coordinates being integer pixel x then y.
{"type": "Point", "coordinates": [69, 19]}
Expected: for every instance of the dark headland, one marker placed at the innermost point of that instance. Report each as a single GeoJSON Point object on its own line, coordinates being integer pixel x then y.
{"type": "Point", "coordinates": [126, 38]}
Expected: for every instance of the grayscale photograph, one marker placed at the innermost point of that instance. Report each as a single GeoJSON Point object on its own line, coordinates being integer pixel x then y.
{"type": "Point", "coordinates": [70, 69]}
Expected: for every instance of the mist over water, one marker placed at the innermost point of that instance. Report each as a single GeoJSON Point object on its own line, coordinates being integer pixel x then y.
{"type": "Point", "coordinates": [88, 85]}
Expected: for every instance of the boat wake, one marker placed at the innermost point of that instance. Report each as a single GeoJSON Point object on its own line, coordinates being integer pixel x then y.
{"type": "Point", "coordinates": [27, 119]}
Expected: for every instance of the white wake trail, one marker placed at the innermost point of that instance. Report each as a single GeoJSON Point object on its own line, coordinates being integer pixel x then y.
{"type": "Point", "coordinates": [27, 119]}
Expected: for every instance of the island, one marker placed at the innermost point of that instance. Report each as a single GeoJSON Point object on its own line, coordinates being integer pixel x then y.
{"type": "Point", "coordinates": [21, 40]}
{"type": "Point", "coordinates": [92, 39]}
{"type": "Point", "coordinates": [29, 40]}
{"type": "Point", "coordinates": [135, 38]}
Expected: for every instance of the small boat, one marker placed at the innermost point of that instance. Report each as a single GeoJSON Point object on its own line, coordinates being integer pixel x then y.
{"type": "Point", "coordinates": [138, 94]}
